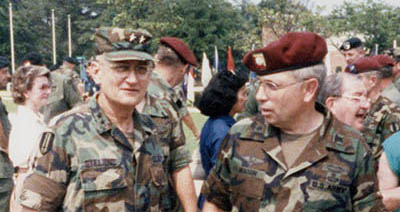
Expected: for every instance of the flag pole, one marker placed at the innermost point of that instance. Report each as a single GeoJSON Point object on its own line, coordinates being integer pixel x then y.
{"type": "Point", "coordinates": [54, 36]}
{"type": "Point", "coordinates": [12, 39]}
{"type": "Point", "coordinates": [69, 37]}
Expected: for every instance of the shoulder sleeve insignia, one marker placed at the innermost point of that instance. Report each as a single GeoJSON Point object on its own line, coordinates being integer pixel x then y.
{"type": "Point", "coordinates": [46, 142]}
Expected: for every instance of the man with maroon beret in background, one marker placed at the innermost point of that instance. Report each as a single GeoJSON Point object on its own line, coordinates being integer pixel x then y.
{"type": "Point", "coordinates": [173, 61]}
{"type": "Point", "coordinates": [383, 118]}
{"type": "Point", "coordinates": [291, 157]}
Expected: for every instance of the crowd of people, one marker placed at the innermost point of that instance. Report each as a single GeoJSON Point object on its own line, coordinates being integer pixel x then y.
{"type": "Point", "coordinates": [295, 138]}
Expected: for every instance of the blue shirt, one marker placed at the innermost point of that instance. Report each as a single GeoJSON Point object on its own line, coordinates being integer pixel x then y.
{"type": "Point", "coordinates": [212, 134]}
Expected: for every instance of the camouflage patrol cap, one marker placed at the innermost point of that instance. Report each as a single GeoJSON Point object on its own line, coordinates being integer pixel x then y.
{"type": "Point", "coordinates": [118, 44]}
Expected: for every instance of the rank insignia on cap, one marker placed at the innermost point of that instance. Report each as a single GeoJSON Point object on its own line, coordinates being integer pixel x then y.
{"type": "Point", "coordinates": [142, 39]}
{"type": "Point", "coordinates": [346, 45]}
{"type": "Point", "coordinates": [46, 142]}
{"type": "Point", "coordinates": [259, 60]}
{"type": "Point", "coordinates": [132, 37]}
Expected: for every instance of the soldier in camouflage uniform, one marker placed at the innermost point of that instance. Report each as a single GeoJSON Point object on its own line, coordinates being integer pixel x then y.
{"type": "Point", "coordinates": [68, 69]}
{"type": "Point", "coordinates": [104, 155]}
{"type": "Point", "coordinates": [6, 167]}
{"type": "Point", "coordinates": [392, 91]}
{"type": "Point", "coordinates": [174, 59]}
{"type": "Point", "coordinates": [383, 119]}
{"type": "Point", "coordinates": [172, 142]}
{"type": "Point", "coordinates": [63, 97]}
{"type": "Point", "coordinates": [291, 157]}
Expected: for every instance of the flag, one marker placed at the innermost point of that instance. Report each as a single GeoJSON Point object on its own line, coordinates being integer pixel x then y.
{"type": "Point", "coordinates": [216, 60]}
{"type": "Point", "coordinates": [190, 85]}
{"type": "Point", "coordinates": [205, 71]}
{"type": "Point", "coordinates": [230, 65]}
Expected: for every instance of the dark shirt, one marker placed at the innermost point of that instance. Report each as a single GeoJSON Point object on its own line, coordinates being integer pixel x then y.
{"type": "Point", "coordinates": [212, 134]}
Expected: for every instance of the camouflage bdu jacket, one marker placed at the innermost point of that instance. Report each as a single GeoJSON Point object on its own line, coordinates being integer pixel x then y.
{"type": "Point", "coordinates": [6, 167]}
{"type": "Point", "coordinates": [392, 92]}
{"type": "Point", "coordinates": [64, 96]}
{"type": "Point", "coordinates": [161, 89]}
{"type": "Point", "coordinates": [334, 173]}
{"type": "Point", "coordinates": [88, 164]}
{"type": "Point", "coordinates": [172, 139]}
{"type": "Point", "coordinates": [382, 121]}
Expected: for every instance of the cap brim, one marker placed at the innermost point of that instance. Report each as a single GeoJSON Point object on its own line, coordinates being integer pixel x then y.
{"type": "Point", "coordinates": [127, 55]}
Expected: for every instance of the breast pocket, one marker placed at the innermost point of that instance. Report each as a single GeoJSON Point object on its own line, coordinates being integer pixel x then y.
{"type": "Point", "coordinates": [247, 192]}
{"type": "Point", "coordinates": [105, 189]}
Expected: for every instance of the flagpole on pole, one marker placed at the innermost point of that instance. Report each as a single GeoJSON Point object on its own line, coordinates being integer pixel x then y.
{"type": "Point", "coordinates": [69, 37]}
{"type": "Point", "coordinates": [12, 40]}
{"type": "Point", "coordinates": [54, 36]}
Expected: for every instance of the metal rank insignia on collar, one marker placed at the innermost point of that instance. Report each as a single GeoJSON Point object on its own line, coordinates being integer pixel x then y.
{"type": "Point", "coordinates": [259, 60]}
{"type": "Point", "coordinates": [132, 37]}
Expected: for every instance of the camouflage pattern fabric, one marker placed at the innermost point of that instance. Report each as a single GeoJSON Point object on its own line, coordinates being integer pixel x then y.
{"type": "Point", "coordinates": [123, 44]}
{"type": "Point", "coordinates": [392, 91]}
{"type": "Point", "coordinates": [382, 121]}
{"type": "Point", "coordinates": [70, 74]}
{"type": "Point", "coordinates": [334, 172]}
{"type": "Point", "coordinates": [159, 88]}
{"type": "Point", "coordinates": [6, 167]}
{"type": "Point", "coordinates": [64, 96]}
{"type": "Point", "coordinates": [172, 139]}
{"type": "Point", "coordinates": [88, 164]}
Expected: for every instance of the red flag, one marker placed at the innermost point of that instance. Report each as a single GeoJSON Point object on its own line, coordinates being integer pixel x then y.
{"type": "Point", "coordinates": [230, 65]}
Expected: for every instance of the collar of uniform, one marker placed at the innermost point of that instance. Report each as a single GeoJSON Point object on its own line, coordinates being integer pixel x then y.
{"type": "Point", "coordinates": [339, 136]}
{"type": "Point", "coordinates": [153, 106]}
{"type": "Point", "coordinates": [103, 124]}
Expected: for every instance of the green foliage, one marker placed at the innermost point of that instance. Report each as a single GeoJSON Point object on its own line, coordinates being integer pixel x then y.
{"type": "Point", "coordinates": [375, 20]}
{"type": "Point", "coordinates": [202, 24]}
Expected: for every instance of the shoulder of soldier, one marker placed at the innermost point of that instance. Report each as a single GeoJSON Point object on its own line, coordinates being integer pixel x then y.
{"type": "Point", "coordinates": [345, 138]}
{"type": "Point", "coordinates": [251, 129]}
{"type": "Point", "coordinates": [82, 110]}
{"type": "Point", "coordinates": [160, 107]}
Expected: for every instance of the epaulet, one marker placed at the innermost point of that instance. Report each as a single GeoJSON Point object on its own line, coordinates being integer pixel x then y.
{"type": "Point", "coordinates": [78, 110]}
{"type": "Point", "coordinates": [251, 129]}
{"type": "Point", "coordinates": [343, 137]}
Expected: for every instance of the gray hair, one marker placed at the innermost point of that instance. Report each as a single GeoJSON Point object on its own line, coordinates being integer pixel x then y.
{"type": "Point", "coordinates": [333, 85]}
{"type": "Point", "coordinates": [317, 71]}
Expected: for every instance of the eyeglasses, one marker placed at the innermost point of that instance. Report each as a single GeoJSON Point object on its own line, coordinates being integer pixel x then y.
{"type": "Point", "coordinates": [356, 99]}
{"type": "Point", "coordinates": [270, 86]}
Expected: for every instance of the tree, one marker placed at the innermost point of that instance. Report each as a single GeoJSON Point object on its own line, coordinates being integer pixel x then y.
{"type": "Point", "coordinates": [376, 21]}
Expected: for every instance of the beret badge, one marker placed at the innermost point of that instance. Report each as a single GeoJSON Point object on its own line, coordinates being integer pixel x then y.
{"type": "Point", "coordinates": [346, 45]}
{"type": "Point", "coordinates": [259, 60]}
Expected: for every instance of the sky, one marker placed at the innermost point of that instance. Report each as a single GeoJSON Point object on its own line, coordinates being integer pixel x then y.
{"type": "Point", "coordinates": [330, 4]}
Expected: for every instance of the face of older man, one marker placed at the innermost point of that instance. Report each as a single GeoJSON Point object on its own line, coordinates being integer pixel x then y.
{"type": "Point", "coordinates": [352, 55]}
{"type": "Point", "coordinates": [123, 83]}
{"type": "Point", "coordinates": [280, 98]}
{"type": "Point", "coordinates": [353, 105]}
{"type": "Point", "coordinates": [5, 77]}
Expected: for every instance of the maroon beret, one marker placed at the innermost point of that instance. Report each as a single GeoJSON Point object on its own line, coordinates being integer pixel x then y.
{"type": "Point", "coordinates": [371, 63]}
{"type": "Point", "coordinates": [180, 48]}
{"type": "Point", "coordinates": [294, 50]}
{"type": "Point", "coordinates": [384, 60]}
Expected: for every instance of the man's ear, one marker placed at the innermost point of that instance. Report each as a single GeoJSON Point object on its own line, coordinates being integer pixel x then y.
{"type": "Point", "coordinates": [330, 103]}
{"type": "Point", "coordinates": [94, 69]}
{"type": "Point", "coordinates": [186, 68]}
{"type": "Point", "coordinates": [310, 88]}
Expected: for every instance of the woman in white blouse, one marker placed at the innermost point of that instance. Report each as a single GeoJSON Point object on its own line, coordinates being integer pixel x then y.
{"type": "Point", "coordinates": [30, 90]}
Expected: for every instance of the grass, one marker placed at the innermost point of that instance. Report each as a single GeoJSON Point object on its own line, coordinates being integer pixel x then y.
{"type": "Point", "coordinates": [199, 120]}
